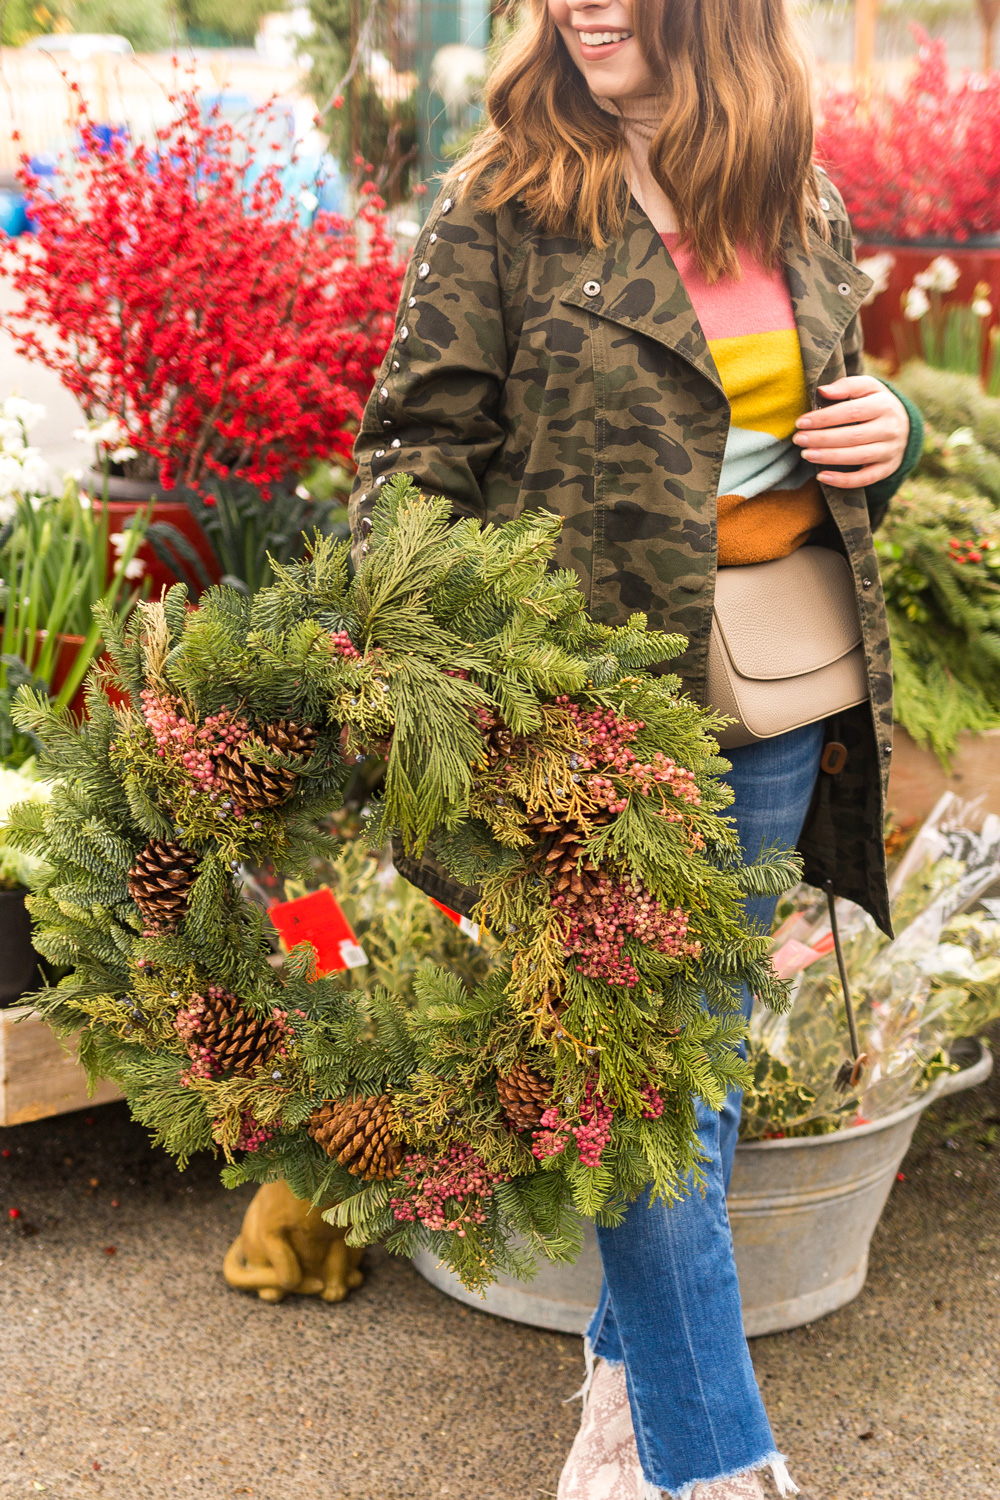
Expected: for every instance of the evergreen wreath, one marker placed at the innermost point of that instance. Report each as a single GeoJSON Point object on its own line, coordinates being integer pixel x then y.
{"type": "Point", "coordinates": [532, 752]}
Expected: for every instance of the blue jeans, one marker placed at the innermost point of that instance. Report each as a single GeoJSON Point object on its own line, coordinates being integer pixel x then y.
{"type": "Point", "coordinates": [670, 1303]}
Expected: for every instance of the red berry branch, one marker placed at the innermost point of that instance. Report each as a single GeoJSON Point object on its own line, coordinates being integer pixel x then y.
{"type": "Point", "coordinates": [167, 287]}
{"type": "Point", "coordinates": [925, 162]}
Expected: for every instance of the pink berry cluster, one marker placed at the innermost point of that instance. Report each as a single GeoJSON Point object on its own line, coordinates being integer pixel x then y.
{"type": "Point", "coordinates": [604, 736]}
{"type": "Point", "coordinates": [592, 1133]}
{"type": "Point", "coordinates": [344, 646]}
{"type": "Point", "coordinates": [597, 933]}
{"type": "Point", "coordinates": [195, 748]}
{"type": "Point", "coordinates": [447, 1191]}
{"type": "Point", "coordinates": [654, 1103]}
{"type": "Point", "coordinates": [252, 1134]}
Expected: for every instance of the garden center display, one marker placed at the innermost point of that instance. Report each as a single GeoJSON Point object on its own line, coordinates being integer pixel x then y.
{"type": "Point", "coordinates": [529, 749]}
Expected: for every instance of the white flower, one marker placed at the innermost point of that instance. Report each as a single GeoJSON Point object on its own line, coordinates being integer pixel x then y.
{"type": "Point", "coordinates": [111, 433]}
{"type": "Point", "coordinates": [962, 437]}
{"type": "Point", "coordinates": [8, 510]}
{"type": "Point", "coordinates": [916, 305]}
{"type": "Point", "coordinates": [878, 267]}
{"type": "Point", "coordinates": [982, 307]}
{"type": "Point", "coordinates": [941, 275]}
{"type": "Point", "coordinates": [27, 413]}
{"type": "Point", "coordinates": [122, 455]}
{"type": "Point", "coordinates": [135, 569]}
{"type": "Point", "coordinates": [36, 474]}
{"type": "Point", "coordinates": [10, 475]}
{"type": "Point", "coordinates": [308, 200]}
{"type": "Point", "coordinates": [119, 541]}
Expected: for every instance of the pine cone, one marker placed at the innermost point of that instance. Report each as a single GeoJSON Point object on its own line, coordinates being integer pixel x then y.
{"type": "Point", "coordinates": [237, 1041]}
{"type": "Point", "coordinates": [289, 738]}
{"type": "Point", "coordinates": [524, 1097]}
{"type": "Point", "coordinates": [358, 1132]}
{"type": "Point", "coordinates": [562, 861]}
{"type": "Point", "coordinates": [253, 786]}
{"type": "Point", "coordinates": [160, 882]}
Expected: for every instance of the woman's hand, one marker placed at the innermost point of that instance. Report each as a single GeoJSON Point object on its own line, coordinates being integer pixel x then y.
{"type": "Point", "coordinates": [868, 427]}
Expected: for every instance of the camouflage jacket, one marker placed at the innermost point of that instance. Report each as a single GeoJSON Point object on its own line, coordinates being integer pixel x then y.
{"type": "Point", "coordinates": [531, 371]}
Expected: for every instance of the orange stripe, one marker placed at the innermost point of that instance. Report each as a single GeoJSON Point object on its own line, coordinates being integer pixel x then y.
{"type": "Point", "coordinates": [769, 525]}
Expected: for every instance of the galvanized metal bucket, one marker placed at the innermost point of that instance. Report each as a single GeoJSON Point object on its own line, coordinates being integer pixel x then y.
{"type": "Point", "coordinates": [803, 1213]}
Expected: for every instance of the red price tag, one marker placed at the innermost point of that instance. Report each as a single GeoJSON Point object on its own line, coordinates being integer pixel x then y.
{"type": "Point", "coordinates": [318, 919]}
{"type": "Point", "coordinates": [471, 929]}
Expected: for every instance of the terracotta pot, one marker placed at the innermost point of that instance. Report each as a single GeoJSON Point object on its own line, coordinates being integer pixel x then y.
{"type": "Point", "coordinates": [977, 262]}
{"type": "Point", "coordinates": [125, 498]}
{"type": "Point", "coordinates": [67, 651]}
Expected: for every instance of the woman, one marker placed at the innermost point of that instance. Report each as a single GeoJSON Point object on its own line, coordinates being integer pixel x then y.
{"type": "Point", "coordinates": [625, 307]}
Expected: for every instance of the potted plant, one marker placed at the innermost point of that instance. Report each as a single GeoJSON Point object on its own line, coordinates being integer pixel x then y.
{"type": "Point", "coordinates": [816, 1161]}
{"type": "Point", "coordinates": [54, 553]}
{"type": "Point", "coordinates": [920, 173]}
{"type": "Point", "coordinates": [217, 348]}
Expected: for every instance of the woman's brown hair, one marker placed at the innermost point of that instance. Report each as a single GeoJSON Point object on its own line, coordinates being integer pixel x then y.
{"type": "Point", "coordinates": [733, 155]}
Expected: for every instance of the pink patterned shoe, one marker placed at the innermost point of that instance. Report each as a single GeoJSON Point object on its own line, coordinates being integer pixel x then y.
{"type": "Point", "coordinates": [603, 1463]}
{"type": "Point", "coordinates": [740, 1487]}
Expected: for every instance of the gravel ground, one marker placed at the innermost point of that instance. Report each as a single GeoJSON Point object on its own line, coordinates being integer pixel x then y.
{"type": "Point", "coordinates": [129, 1370]}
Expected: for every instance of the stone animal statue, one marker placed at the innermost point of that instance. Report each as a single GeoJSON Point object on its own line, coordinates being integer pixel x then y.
{"type": "Point", "coordinates": [285, 1246]}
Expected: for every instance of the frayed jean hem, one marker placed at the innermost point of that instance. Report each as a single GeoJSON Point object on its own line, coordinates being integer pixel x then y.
{"type": "Point", "coordinates": [773, 1461]}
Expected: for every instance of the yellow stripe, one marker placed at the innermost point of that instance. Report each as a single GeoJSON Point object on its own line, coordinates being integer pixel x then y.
{"type": "Point", "coordinates": [762, 376]}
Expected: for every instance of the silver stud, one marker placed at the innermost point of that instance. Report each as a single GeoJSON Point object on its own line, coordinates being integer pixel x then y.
{"type": "Point", "coordinates": [886, 749]}
{"type": "Point", "coordinates": [844, 289]}
{"type": "Point", "coordinates": [447, 206]}
{"type": "Point", "coordinates": [591, 288]}
{"type": "Point", "coordinates": [396, 443]}
{"type": "Point", "coordinates": [412, 302]}
{"type": "Point", "coordinates": [380, 481]}
{"type": "Point", "coordinates": [824, 204]}
{"type": "Point", "coordinates": [395, 364]}
{"type": "Point", "coordinates": [404, 334]}
{"type": "Point", "coordinates": [383, 394]}
{"type": "Point", "coordinates": [380, 453]}
{"type": "Point", "coordinates": [386, 421]}
{"type": "Point", "coordinates": [423, 270]}
{"type": "Point", "coordinates": [432, 240]}
{"type": "Point", "coordinates": [362, 498]}
{"type": "Point", "coordinates": [866, 583]}
{"type": "Point", "coordinates": [367, 524]}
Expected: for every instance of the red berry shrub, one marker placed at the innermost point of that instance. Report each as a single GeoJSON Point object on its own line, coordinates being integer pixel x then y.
{"type": "Point", "coordinates": [166, 288]}
{"type": "Point", "coordinates": [925, 162]}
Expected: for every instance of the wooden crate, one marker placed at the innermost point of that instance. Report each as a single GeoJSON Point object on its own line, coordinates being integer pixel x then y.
{"type": "Point", "coordinates": [38, 1075]}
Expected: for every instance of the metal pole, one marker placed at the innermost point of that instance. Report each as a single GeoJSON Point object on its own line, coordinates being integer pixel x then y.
{"type": "Point", "coordinates": [865, 22]}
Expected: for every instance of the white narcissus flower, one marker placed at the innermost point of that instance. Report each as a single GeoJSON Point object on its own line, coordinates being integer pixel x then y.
{"type": "Point", "coordinates": [10, 475]}
{"type": "Point", "coordinates": [27, 413]}
{"type": "Point", "coordinates": [135, 569]}
{"type": "Point", "coordinates": [119, 541]}
{"type": "Point", "coordinates": [941, 275]}
{"type": "Point", "coordinates": [879, 268]}
{"type": "Point", "coordinates": [981, 304]}
{"type": "Point", "coordinates": [36, 474]}
{"type": "Point", "coordinates": [122, 455]}
{"type": "Point", "coordinates": [916, 305]}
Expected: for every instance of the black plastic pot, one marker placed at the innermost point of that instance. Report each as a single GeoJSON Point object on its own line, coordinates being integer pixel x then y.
{"type": "Point", "coordinates": [18, 959]}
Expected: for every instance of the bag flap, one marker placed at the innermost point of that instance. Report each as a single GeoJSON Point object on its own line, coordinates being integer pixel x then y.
{"type": "Point", "coordinates": [787, 617]}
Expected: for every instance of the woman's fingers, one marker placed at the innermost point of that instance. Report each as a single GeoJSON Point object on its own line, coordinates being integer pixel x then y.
{"type": "Point", "coordinates": [859, 481]}
{"type": "Point", "coordinates": [861, 434]}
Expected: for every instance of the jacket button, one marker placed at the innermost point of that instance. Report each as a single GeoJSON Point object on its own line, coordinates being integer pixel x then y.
{"type": "Point", "coordinates": [383, 394]}
{"type": "Point", "coordinates": [366, 523]}
{"type": "Point", "coordinates": [844, 289]}
{"type": "Point", "coordinates": [412, 302]}
{"type": "Point", "coordinates": [404, 334]}
{"type": "Point", "coordinates": [396, 443]}
{"type": "Point", "coordinates": [379, 453]}
{"type": "Point", "coordinates": [824, 204]}
{"type": "Point", "coordinates": [423, 270]}
{"type": "Point", "coordinates": [886, 749]}
{"type": "Point", "coordinates": [386, 421]}
{"type": "Point", "coordinates": [432, 240]}
{"type": "Point", "coordinates": [395, 364]}
{"type": "Point", "coordinates": [591, 288]}
{"type": "Point", "coordinates": [447, 206]}
{"type": "Point", "coordinates": [380, 481]}
{"type": "Point", "coordinates": [866, 583]}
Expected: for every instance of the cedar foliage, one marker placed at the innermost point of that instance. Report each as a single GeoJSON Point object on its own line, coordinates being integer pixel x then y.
{"type": "Point", "coordinates": [456, 627]}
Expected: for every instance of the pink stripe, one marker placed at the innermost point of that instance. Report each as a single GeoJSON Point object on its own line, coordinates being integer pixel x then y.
{"type": "Point", "coordinates": [729, 309]}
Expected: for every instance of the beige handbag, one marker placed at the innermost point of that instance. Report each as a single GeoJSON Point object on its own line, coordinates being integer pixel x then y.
{"type": "Point", "coordinates": [786, 645]}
